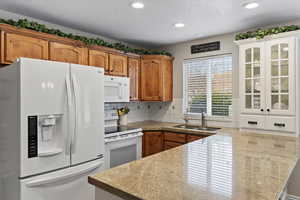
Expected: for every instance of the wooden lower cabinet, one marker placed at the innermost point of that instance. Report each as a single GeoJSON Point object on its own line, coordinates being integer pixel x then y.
{"type": "Point", "coordinates": [156, 141]}
{"type": "Point", "coordinates": [170, 145]}
{"type": "Point", "coordinates": [175, 137]}
{"type": "Point", "coordinates": [191, 138]}
{"type": "Point", "coordinates": [68, 53]}
{"type": "Point", "coordinates": [152, 143]}
{"type": "Point", "coordinates": [15, 46]}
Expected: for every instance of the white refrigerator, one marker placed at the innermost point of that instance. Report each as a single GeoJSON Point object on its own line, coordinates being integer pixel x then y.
{"type": "Point", "coordinates": [51, 130]}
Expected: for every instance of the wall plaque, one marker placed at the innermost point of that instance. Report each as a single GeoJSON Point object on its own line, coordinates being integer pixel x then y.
{"type": "Point", "coordinates": [206, 47]}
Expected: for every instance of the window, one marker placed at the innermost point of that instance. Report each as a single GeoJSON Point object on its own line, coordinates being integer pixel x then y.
{"type": "Point", "coordinates": [208, 86]}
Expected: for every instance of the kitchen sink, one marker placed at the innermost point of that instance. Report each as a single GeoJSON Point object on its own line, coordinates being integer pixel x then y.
{"type": "Point", "coordinates": [183, 126]}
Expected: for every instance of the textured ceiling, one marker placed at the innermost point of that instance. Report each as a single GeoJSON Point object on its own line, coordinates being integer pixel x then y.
{"type": "Point", "coordinates": [153, 25]}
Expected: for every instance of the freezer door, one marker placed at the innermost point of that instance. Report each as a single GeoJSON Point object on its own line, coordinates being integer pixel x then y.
{"type": "Point", "coordinates": [71, 183]}
{"type": "Point", "coordinates": [43, 117]}
{"type": "Point", "coordinates": [88, 139]}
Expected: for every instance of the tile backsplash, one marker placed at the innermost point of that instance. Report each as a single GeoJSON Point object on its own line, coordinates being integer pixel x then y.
{"type": "Point", "coordinates": [139, 111]}
{"type": "Point", "coordinates": [167, 112]}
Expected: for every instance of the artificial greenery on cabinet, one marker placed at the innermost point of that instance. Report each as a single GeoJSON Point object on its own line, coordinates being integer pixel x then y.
{"type": "Point", "coordinates": [24, 23]}
{"type": "Point", "coordinates": [261, 33]}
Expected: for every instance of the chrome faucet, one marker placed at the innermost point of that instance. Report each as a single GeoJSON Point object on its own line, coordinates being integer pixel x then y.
{"type": "Point", "coordinates": [186, 119]}
{"type": "Point", "coordinates": [203, 122]}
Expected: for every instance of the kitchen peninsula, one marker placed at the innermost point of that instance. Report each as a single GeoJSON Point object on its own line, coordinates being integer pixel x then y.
{"type": "Point", "coordinates": [229, 165]}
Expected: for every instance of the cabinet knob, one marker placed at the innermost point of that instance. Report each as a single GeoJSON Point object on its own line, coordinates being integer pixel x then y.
{"type": "Point", "coordinates": [279, 124]}
{"type": "Point", "coordinates": [262, 110]}
{"type": "Point", "coordinates": [268, 110]}
{"type": "Point", "coordinates": [252, 122]}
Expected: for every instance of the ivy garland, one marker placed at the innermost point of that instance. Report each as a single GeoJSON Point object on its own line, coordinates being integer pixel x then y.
{"type": "Point", "coordinates": [24, 23]}
{"type": "Point", "coordinates": [261, 33]}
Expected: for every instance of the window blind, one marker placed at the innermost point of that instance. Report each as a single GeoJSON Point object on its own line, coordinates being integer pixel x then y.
{"type": "Point", "coordinates": [208, 85]}
{"type": "Point", "coordinates": [209, 165]}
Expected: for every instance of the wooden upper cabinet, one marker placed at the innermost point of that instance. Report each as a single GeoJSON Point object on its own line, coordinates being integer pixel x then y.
{"type": "Point", "coordinates": [152, 143]}
{"type": "Point", "coordinates": [134, 75]}
{"type": "Point", "coordinates": [117, 65]}
{"type": "Point", "coordinates": [98, 59]}
{"type": "Point", "coordinates": [156, 78]}
{"type": "Point", "coordinates": [68, 53]}
{"type": "Point", "coordinates": [151, 80]}
{"type": "Point", "coordinates": [167, 88]}
{"type": "Point", "coordinates": [14, 46]}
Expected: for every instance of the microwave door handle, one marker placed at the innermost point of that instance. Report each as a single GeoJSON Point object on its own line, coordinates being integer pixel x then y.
{"type": "Point", "coordinates": [120, 91]}
{"type": "Point", "coordinates": [76, 90]}
{"type": "Point", "coordinates": [70, 113]}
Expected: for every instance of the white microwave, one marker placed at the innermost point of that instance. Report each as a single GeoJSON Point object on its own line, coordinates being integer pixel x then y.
{"type": "Point", "coordinates": [116, 89]}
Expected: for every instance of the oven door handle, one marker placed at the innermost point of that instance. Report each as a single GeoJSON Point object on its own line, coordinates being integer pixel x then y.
{"type": "Point", "coordinates": [123, 138]}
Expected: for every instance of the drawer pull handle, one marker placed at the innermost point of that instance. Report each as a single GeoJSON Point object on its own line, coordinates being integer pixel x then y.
{"type": "Point", "coordinates": [279, 145]}
{"type": "Point", "coordinates": [252, 142]}
{"type": "Point", "coordinates": [252, 122]}
{"type": "Point", "coordinates": [279, 124]}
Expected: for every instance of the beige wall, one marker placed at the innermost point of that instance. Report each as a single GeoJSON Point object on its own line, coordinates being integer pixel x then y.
{"type": "Point", "coordinates": [182, 51]}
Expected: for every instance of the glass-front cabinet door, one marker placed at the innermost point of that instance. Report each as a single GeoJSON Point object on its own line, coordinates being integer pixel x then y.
{"type": "Point", "coordinates": [280, 76]}
{"type": "Point", "coordinates": [252, 81]}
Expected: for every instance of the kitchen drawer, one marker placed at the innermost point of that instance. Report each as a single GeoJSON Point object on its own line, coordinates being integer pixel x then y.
{"type": "Point", "coordinates": [170, 145]}
{"type": "Point", "coordinates": [175, 137]}
{"type": "Point", "coordinates": [191, 138]}
{"type": "Point", "coordinates": [286, 124]}
{"type": "Point", "coordinates": [252, 121]}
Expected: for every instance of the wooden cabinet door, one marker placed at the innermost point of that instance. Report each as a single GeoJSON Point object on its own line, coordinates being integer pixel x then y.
{"type": "Point", "coordinates": [68, 53]}
{"type": "Point", "coordinates": [98, 59]}
{"type": "Point", "coordinates": [151, 78]}
{"type": "Point", "coordinates": [152, 143]}
{"type": "Point", "coordinates": [167, 80]}
{"type": "Point", "coordinates": [16, 46]}
{"type": "Point", "coordinates": [175, 137]}
{"type": "Point", "coordinates": [117, 65]}
{"type": "Point", "coordinates": [134, 75]}
{"type": "Point", "coordinates": [191, 138]}
{"type": "Point", "coordinates": [170, 145]}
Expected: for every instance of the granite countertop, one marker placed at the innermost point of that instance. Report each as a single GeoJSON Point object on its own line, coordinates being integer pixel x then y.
{"type": "Point", "coordinates": [229, 165]}
{"type": "Point", "coordinates": [151, 125]}
{"type": "Point", "coordinates": [165, 126]}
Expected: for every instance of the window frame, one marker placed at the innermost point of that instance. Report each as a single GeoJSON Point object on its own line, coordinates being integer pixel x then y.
{"type": "Point", "coordinates": [184, 91]}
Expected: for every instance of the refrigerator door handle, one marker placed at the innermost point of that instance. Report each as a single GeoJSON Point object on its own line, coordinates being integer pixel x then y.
{"type": "Point", "coordinates": [58, 178]}
{"type": "Point", "coordinates": [70, 113]}
{"type": "Point", "coordinates": [77, 104]}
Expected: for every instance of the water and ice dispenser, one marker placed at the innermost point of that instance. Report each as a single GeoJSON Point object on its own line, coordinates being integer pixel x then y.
{"type": "Point", "coordinates": [45, 135]}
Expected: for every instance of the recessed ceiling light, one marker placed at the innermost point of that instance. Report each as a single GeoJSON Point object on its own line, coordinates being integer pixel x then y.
{"type": "Point", "coordinates": [251, 5]}
{"type": "Point", "coordinates": [179, 25]}
{"type": "Point", "coordinates": [137, 5]}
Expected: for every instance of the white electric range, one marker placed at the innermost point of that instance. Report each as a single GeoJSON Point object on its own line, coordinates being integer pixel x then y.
{"type": "Point", "coordinates": [122, 144]}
